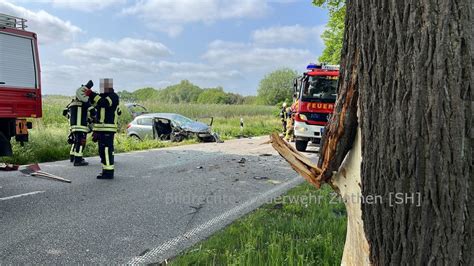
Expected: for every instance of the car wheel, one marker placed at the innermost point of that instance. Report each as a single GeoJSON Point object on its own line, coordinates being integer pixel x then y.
{"type": "Point", "coordinates": [301, 145]}
{"type": "Point", "coordinates": [176, 138]}
{"type": "Point", "coordinates": [135, 137]}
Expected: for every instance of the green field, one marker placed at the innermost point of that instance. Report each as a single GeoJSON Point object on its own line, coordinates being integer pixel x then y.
{"type": "Point", "coordinates": [49, 134]}
{"type": "Point", "coordinates": [288, 232]}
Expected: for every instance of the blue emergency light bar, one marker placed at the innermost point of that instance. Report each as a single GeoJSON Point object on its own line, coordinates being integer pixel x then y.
{"type": "Point", "coordinates": [312, 66]}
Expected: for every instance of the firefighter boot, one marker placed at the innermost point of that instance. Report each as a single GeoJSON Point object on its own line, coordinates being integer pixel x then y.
{"type": "Point", "coordinates": [79, 161]}
{"type": "Point", "coordinates": [106, 174]}
{"type": "Point", "coordinates": [71, 158]}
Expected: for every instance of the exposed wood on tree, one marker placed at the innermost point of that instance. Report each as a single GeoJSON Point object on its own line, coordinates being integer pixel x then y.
{"type": "Point", "coordinates": [298, 162]}
{"type": "Point", "coordinates": [341, 129]}
{"type": "Point", "coordinates": [347, 183]}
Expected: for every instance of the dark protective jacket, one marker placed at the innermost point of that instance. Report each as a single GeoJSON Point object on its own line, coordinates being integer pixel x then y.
{"type": "Point", "coordinates": [80, 115]}
{"type": "Point", "coordinates": [107, 106]}
{"type": "Point", "coordinates": [283, 114]}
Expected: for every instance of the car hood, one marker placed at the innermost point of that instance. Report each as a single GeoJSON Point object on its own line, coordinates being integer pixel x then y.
{"type": "Point", "coordinates": [196, 127]}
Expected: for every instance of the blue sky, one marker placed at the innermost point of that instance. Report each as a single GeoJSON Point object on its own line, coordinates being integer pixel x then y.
{"type": "Point", "coordinates": [228, 43]}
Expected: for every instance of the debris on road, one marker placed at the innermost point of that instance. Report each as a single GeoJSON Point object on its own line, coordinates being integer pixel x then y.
{"type": "Point", "coordinates": [260, 177]}
{"type": "Point", "coordinates": [35, 170]}
{"type": "Point", "coordinates": [8, 167]}
{"type": "Point", "coordinates": [242, 160]}
{"type": "Point", "coordinates": [199, 167]}
{"type": "Point", "coordinates": [144, 252]}
{"type": "Point", "coordinates": [274, 182]}
{"type": "Point", "coordinates": [266, 154]}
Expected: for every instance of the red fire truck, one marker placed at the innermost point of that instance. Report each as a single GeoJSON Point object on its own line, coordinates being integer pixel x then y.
{"type": "Point", "coordinates": [315, 96]}
{"type": "Point", "coordinates": [20, 81]}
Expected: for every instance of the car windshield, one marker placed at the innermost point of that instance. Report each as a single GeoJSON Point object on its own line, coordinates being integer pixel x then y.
{"type": "Point", "coordinates": [181, 120]}
{"type": "Point", "coordinates": [319, 88]}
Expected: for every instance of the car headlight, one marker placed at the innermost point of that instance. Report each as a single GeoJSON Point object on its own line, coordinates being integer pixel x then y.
{"type": "Point", "coordinates": [303, 117]}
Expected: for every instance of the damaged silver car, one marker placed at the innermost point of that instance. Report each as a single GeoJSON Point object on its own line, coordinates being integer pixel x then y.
{"type": "Point", "coordinates": [170, 126]}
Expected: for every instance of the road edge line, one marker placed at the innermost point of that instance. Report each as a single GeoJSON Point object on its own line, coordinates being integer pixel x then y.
{"type": "Point", "coordinates": [156, 254]}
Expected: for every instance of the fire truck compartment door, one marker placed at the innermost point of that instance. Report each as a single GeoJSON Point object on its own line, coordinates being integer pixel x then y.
{"type": "Point", "coordinates": [17, 64]}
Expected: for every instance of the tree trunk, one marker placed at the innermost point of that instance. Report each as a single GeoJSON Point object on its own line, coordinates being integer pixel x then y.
{"type": "Point", "coordinates": [407, 67]}
{"type": "Point", "coordinates": [415, 81]}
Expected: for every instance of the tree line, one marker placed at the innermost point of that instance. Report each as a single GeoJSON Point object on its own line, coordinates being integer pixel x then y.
{"type": "Point", "coordinates": [274, 88]}
{"type": "Point", "coordinates": [187, 92]}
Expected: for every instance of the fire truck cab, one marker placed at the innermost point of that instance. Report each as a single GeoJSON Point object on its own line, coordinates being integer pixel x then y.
{"type": "Point", "coordinates": [315, 96]}
{"type": "Point", "coordinates": [20, 82]}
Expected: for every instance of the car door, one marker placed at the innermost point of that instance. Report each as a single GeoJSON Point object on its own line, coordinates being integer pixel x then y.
{"type": "Point", "coordinates": [147, 124]}
{"type": "Point", "coordinates": [144, 127]}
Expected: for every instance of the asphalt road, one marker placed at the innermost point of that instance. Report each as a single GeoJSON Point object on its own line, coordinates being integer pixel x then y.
{"type": "Point", "coordinates": [161, 202]}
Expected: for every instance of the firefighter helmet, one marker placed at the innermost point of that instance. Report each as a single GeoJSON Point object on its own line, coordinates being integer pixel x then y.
{"type": "Point", "coordinates": [81, 94]}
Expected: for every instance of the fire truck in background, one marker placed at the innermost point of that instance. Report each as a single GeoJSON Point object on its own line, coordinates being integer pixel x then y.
{"type": "Point", "coordinates": [20, 82]}
{"type": "Point", "coordinates": [315, 95]}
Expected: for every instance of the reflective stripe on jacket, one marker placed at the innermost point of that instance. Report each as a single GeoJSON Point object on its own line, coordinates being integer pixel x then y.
{"type": "Point", "coordinates": [79, 114]}
{"type": "Point", "coordinates": [107, 111]}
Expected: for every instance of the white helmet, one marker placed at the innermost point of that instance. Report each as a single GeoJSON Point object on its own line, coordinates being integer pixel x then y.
{"type": "Point", "coordinates": [284, 104]}
{"type": "Point", "coordinates": [80, 94]}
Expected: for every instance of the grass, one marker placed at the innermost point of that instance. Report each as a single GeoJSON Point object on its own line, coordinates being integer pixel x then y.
{"type": "Point", "coordinates": [49, 134]}
{"type": "Point", "coordinates": [292, 233]}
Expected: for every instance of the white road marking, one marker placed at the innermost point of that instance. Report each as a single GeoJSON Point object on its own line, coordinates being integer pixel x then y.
{"type": "Point", "coordinates": [157, 254]}
{"type": "Point", "coordinates": [21, 195]}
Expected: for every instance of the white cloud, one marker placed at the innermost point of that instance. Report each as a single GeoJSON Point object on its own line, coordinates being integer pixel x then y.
{"type": "Point", "coordinates": [295, 34]}
{"type": "Point", "coordinates": [216, 75]}
{"type": "Point", "coordinates": [129, 61]}
{"type": "Point", "coordinates": [85, 5]}
{"type": "Point", "coordinates": [170, 16]}
{"type": "Point", "coordinates": [65, 79]}
{"type": "Point", "coordinates": [250, 57]}
{"type": "Point", "coordinates": [49, 28]}
{"type": "Point", "coordinates": [183, 66]}
{"type": "Point", "coordinates": [127, 48]}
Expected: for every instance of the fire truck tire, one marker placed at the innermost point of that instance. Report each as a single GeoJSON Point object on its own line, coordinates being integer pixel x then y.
{"type": "Point", "coordinates": [5, 146]}
{"type": "Point", "coordinates": [301, 145]}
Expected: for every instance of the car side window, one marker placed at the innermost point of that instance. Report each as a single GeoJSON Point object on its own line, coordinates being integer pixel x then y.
{"type": "Point", "coordinates": [145, 122]}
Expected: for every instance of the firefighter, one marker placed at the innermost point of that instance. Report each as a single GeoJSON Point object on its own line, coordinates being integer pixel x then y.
{"type": "Point", "coordinates": [283, 116]}
{"type": "Point", "coordinates": [289, 136]}
{"type": "Point", "coordinates": [291, 113]}
{"type": "Point", "coordinates": [105, 127]}
{"type": "Point", "coordinates": [80, 117]}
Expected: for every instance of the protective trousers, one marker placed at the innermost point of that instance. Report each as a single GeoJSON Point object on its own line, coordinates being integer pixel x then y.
{"type": "Point", "coordinates": [106, 151]}
{"type": "Point", "coordinates": [77, 148]}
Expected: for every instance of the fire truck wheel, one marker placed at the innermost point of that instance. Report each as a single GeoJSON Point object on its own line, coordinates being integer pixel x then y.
{"type": "Point", "coordinates": [301, 145]}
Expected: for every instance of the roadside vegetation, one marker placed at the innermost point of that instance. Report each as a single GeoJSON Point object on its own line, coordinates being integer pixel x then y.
{"type": "Point", "coordinates": [289, 232]}
{"type": "Point", "coordinates": [48, 138]}
{"type": "Point", "coordinates": [333, 34]}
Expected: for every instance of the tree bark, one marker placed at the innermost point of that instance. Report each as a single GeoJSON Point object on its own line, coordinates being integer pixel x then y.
{"type": "Point", "coordinates": [415, 80]}
{"type": "Point", "coordinates": [407, 66]}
